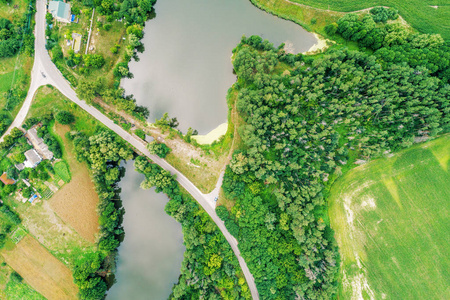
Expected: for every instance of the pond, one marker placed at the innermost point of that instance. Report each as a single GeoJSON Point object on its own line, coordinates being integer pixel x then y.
{"type": "Point", "coordinates": [150, 256]}
{"type": "Point", "coordinates": [186, 68]}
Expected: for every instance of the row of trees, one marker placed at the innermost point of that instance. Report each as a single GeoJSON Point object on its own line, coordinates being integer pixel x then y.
{"type": "Point", "coordinates": [103, 152]}
{"type": "Point", "coordinates": [209, 269]}
{"type": "Point", "coordinates": [88, 90]}
{"type": "Point", "coordinates": [300, 128]}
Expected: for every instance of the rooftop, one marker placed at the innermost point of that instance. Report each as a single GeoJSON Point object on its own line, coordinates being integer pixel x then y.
{"type": "Point", "coordinates": [4, 178]}
{"type": "Point", "coordinates": [33, 158]}
{"type": "Point", "coordinates": [59, 9]}
{"type": "Point", "coordinates": [38, 144]}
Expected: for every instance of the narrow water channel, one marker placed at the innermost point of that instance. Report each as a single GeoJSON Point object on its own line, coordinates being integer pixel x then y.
{"type": "Point", "coordinates": [151, 254]}
{"type": "Point", "coordinates": [186, 68]}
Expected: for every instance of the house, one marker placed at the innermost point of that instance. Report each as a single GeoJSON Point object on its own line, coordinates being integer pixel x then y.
{"type": "Point", "coordinates": [38, 144]}
{"type": "Point", "coordinates": [32, 158]}
{"type": "Point", "coordinates": [76, 45]}
{"type": "Point", "coordinates": [60, 11]}
{"type": "Point", "coordinates": [4, 178]}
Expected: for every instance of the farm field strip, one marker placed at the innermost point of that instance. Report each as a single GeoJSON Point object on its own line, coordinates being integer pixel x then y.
{"type": "Point", "coordinates": [391, 222]}
{"type": "Point", "coordinates": [41, 270]}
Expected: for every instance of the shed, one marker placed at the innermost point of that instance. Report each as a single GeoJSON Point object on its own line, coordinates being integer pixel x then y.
{"type": "Point", "coordinates": [76, 45]}
{"type": "Point", "coordinates": [60, 11]}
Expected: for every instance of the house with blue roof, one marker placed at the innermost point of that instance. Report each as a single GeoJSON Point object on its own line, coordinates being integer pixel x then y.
{"type": "Point", "coordinates": [60, 11]}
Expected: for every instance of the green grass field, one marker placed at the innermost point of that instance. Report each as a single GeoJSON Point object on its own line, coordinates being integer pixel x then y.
{"type": "Point", "coordinates": [62, 170]}
{"type": "Point", "coordinates": [419, 13]}
{"type": "Point", "coordinates": [18, 235]}
{"type": "Point", "coordinates": [391, 222]}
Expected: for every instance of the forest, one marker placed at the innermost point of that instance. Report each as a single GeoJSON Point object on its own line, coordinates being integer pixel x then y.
{"type": "Point", "coordinates": [308, 120]}
{"type": "Point", "coordinates": [210, 269]}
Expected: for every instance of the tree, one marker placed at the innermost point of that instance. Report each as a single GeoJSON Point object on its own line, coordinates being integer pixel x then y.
{"type": "Point", "coordinates": [159, 149]}
{"type": "Point", "coordinates": [65, 117]}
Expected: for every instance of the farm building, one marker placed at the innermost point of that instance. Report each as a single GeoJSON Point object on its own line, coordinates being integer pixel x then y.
{"type": "Point", "coordinates": [38, 144]}
{"type": "Point", "coordinates": [32, 158]}
{"type": "Point", "coordinates": [60, 11]}
{"type": "Point", "coordinates": [4, 178]}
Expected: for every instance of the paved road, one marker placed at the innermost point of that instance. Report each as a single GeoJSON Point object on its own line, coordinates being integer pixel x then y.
{"type": "Point", "coordinates": [45, 72]}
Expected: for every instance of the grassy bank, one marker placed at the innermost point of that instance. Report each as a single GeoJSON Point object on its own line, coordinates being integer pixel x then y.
{"type": "Point", "coordinates": [310, 18]}
{"type": "Point", "coordinates": [391, 222]}
{"type": "Point", "coordinates": [420, 14]}
{"type": "Point", "coordinates": [314, 15]}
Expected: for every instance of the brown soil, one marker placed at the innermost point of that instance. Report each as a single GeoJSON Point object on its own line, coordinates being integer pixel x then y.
{"type": "Point", "coordinates": [41, 270]}
{"type": "Point", "coordinates": [76, 202]}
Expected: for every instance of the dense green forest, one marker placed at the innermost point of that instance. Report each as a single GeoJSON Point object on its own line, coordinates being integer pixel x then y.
{"type": "Point", "coordinates": [209, 269]}
{"type": "Point", "coordinates": [307, 120]}
{"type": "Point", "coordinates": [17, 34]}
{"type": "Point", "coordinates": [394, 43]}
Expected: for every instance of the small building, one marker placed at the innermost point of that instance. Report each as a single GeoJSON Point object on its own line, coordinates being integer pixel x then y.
{"type": "Point", "coordinates": [32, 158]}
{"type": "Point", "coordinates": [60, 11]}
{"type": "Point", "coordinates": [20, 167]}
{"type": "Point", "coordinates": [76, 45]}
{"type": "Point", "coordinates": [7, 181]}
{"type": "Point", "coordinates": [38, 144]}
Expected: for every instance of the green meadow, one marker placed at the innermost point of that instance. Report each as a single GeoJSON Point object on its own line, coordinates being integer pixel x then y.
{"type": "Point", "coordinates": [428, 16]}
{"type": "Point", "coordinates": [391, 221]}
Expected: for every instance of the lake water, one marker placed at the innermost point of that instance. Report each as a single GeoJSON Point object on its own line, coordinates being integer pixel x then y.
{"type": "Point", "coordinates": [186, 68]}
{"type": "Point", "coordinates": [151, 254]}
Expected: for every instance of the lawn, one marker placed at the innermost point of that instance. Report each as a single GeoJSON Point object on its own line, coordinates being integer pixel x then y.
{"type": "Point", "coordinates": [391, 222]}
{"type": "Point", "coordinates": [18, 235]}
{"type": "Point", "coordinates": [48, 99]}
{"type": "Point", "coordinates": [62, 171]}
{"type": "Point", "coordinates": [14, 10]}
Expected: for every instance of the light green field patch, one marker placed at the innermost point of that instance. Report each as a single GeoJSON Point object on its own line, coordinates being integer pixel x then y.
{"type": "Point", "coordinates": [441, 152]}
{"type": "Point", "coordinates": [18, 235]}
{"type": "Point", "coordinates": [388, 251]}
{"type": "Point", "coordinates": [392, 188]}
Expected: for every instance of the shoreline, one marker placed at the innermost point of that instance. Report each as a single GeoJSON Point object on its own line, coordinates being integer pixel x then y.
{"type": "Point", "coordinates": [211, 136]}
{"type": "Point", "coordinates": [319, 46]}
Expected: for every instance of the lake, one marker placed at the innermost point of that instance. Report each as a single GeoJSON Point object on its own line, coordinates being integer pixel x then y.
{"type": "Point", "coordinates": [186, 68]}
{"type": "Point", "coordinates": [151, 254]}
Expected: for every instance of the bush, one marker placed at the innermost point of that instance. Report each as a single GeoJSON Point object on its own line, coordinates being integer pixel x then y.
{"type": "Point", "coordinates": [159, 149]}
{"type": "Point", "coordinates": [140, 133]}
{"type": "Point", "coordinates": [65, 117]}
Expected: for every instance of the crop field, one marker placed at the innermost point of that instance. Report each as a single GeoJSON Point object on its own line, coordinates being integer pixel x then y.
{"type": "Point", "coordinates": [41, 270]}
{"type": "Point", "coordinates": [391, 222]}
{"type": "Point", "coordinates": [421, 14]}
{"type": "Point", "coordinates": [76, 202]}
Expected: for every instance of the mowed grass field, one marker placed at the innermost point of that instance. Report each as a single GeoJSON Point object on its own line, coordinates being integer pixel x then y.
{"type": "Point", "coordinates": [41, 270]}
{"type": "Point", "coordinates": [391, 221]}
{"type": "Point", "coordinates": [419, 13]}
